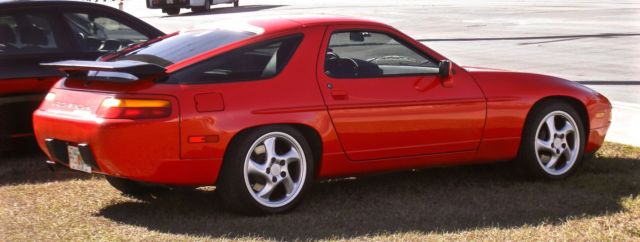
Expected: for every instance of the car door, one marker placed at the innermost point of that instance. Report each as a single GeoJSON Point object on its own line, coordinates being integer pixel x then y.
{"type": "Point", "coordinates": [386, 99]}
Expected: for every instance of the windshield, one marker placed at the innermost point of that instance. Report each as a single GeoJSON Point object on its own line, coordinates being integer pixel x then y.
{"type": "Point", "coordinates": [184, 45]}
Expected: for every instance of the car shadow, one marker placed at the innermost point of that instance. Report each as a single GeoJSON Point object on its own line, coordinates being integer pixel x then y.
{"type": "Point", "coordinates": [27, 166]}
{"type": "Point", "coordinates": [430, 200]}
{"type": "Point", "coordinates": [225, 10]}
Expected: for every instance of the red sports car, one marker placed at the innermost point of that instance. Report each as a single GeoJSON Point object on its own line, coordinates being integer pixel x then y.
{"type": "Point", "coordinates": [264, 107]}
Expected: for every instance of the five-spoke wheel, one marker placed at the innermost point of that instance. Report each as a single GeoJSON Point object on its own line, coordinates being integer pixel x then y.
{"type": "Point", "coordinates": [557, 143]}
{"type": "Point", "coordinates": [266, 170]}
{"type": "Point", "coordinates": [552, 141]}
{"type": "Point", "coordinates": [275, 169]}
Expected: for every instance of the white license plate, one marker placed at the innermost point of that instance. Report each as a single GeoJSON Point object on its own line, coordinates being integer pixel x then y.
{"type": "Point", "coordinates": [75, 160]}
{"type": "Point", "coordinates": [169, 1]}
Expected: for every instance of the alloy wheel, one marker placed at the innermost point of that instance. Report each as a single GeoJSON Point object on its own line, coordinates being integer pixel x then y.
{"type": "Point", "coordinates": [557, 143]}
{"type": "Point", "coordinates": [275, 169]}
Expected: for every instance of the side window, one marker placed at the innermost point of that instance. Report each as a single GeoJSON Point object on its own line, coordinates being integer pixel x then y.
{"type": "Point", "coordinates": [361, 54]}
{"type": "Point", "coordinates": [255, 62]}
{"type": "Point", "coordinates": [26, 34]}
{"type": "Point", "coordinates": [98, 33]}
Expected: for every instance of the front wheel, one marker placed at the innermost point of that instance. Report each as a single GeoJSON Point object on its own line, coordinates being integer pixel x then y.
{"type": "Point", "coordinates": [266, 170]}
{"type": "Point", "coordinates": [552, 142]}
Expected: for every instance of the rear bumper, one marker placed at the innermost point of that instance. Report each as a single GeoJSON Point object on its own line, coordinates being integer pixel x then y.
{"type": "Point", "coordinates": [146, 150]}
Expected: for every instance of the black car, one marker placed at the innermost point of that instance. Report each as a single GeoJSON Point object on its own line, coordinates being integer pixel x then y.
{"type": "Point", "coordinates": [33, 32]}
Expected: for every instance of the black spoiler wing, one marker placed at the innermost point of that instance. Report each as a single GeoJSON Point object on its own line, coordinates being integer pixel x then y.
{"type": "Point", "coordinates": [137, 68]}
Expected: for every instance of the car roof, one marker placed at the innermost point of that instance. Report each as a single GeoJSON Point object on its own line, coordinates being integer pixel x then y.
{"type": "Point", "coordinates": [52, 3]}
{"type": "Point", "coordinates": [38, 3]}
{"type": "Point", "coordinates": [312, 20]}
{"type": "Point", "coordinates": [272, 24]}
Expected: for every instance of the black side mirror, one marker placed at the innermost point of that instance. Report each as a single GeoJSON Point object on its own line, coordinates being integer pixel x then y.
{"type": "Point", "coordinates": [444, 68]}
{"type": "Point", "coordinates": [445, 71]}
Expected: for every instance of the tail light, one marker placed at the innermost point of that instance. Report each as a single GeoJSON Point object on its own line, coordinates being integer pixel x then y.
{"type": "Point", "coordinates": [116, 108]}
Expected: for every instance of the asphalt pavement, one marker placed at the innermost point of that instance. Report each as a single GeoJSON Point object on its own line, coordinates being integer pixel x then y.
{"type": "Point", "coordinates": [596, 43]}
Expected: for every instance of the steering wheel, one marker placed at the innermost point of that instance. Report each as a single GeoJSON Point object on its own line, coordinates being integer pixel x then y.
{"type": "Point", "coordinates": [341, 67]}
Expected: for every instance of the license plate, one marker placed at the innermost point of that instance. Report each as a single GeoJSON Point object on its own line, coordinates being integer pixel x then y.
{"type": "Point", "coordinates": [169, 1]}
{"type": "Point", "coordinates": [75, 160]}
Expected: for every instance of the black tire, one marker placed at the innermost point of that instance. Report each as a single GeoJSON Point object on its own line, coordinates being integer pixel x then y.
{"type": "Point", "coordinates": [236, 3]}
{"type": "Point", "coordinates": [172, 11]}
{"type": "Point", "coordinates": [528, 164]}
{"type": "Point", "coordinates": [128, 187]}
{"type": "Point", "coordinates": [232, 185]}
{"type": "Point", "coordinates": [203, 9]}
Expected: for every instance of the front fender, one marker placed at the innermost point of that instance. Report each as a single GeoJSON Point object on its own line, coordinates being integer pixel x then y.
{"type": "Point", "coordinates": [511, 96]}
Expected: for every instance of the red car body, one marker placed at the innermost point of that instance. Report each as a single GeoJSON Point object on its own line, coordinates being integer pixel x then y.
{"type": "Point", "coordinates": [391, 123]}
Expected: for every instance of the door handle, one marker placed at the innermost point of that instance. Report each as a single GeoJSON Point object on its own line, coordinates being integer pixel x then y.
{"type": "Point", "coordinates": [339, 94]}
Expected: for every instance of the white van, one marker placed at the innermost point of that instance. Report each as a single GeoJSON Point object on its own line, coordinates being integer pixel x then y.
{"type": "Point", "coordinates": [172, 7]}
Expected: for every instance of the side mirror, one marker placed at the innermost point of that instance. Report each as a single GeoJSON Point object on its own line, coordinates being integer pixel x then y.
{"type": "Point", "coordinates": [445, 71]}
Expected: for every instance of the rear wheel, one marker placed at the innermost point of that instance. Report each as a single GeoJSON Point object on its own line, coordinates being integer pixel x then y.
{"type": "Point", "coordinates": [266, 171]}
{"type": "Point", "coordinates": [172, 11]}
{"type": "Point", "coordinates": [552, 142]}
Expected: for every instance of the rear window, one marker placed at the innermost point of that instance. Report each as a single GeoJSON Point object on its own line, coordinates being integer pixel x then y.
{"type": "Point", "coordinates": [255, 62]}
{"type": "Point", "coordinates": [185, 45]}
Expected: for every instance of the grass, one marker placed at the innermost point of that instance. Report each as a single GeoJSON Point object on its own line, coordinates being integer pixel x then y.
{"type": "Point", "coordinates": [479, 203]}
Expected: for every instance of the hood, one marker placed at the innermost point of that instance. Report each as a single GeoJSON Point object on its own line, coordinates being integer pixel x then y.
{"type": "Point", "coordinates": [478, 69]}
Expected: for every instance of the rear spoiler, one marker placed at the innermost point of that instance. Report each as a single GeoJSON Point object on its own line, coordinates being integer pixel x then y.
{"type": "Point", "coordinates": [137, 68]}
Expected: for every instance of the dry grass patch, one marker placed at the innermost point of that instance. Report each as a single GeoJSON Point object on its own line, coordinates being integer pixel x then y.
{"type": "Point", "coordinates": [483, 203]}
